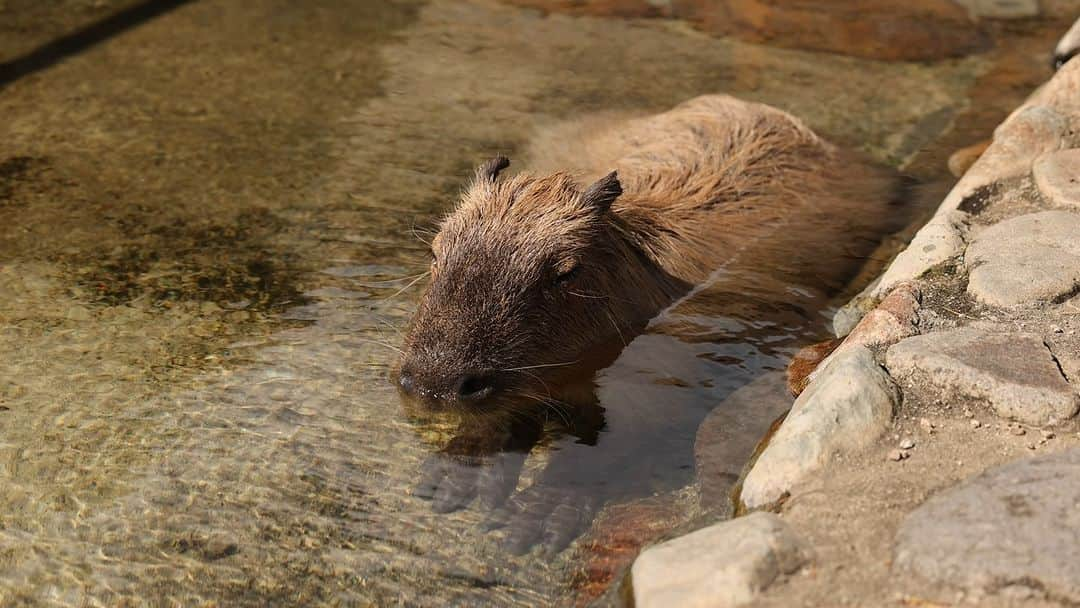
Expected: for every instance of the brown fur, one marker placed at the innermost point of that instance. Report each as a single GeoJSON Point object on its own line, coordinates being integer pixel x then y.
{"type": "Point", "coordinates": [533, 271]}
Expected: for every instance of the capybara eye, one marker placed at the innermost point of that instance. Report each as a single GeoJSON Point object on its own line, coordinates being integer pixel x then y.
{"type": "Point", "coordinates": [566, 276]}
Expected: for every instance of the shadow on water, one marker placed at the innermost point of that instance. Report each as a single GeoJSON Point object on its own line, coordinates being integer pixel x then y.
{"type": "Point", "coordinates": [53, 52]}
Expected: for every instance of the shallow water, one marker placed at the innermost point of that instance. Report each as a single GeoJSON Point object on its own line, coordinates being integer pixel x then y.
{"type": "Point", "coordinates": [211, 225]}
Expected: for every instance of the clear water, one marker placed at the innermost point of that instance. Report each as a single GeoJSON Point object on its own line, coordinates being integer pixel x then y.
{"type": "Point", "coordinates": [211, 223]}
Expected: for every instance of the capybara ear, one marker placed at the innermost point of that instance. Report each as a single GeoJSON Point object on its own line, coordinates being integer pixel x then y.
{"type": "Point", "coordinates": [603, 192]}
{"type": "Point", "coordinates": [489, 170]}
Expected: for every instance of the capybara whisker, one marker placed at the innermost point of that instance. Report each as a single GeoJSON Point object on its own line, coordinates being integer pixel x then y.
{"type": "Point", "coordinates": [383, 344]}
{"type": "Point", "coordinates": [412, 277]}
{"type": "Point", "coordinates": [405, 288]}
{"type": "Point", "coordinates": [518, 369]}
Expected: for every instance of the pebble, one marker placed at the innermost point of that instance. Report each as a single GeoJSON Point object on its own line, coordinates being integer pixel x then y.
{"type": "Point", "coordinates": [907, 443]}
{"type": "Point", "coordinates": [1047, 434]}
{"type": "Point", "coordinates": [1018, 431]}
{"type": "Point", "coordinates": [897, 455]}
{"type": "Point", "coordinates": [975, 424]}
{"type": "Point", "coordinates": [927, 425]}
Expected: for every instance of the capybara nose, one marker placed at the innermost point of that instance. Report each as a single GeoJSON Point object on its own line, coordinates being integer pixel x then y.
{"type": "Point", "coordinates": [474, 386]}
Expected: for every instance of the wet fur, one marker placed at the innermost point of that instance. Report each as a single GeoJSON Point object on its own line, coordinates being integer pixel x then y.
{"type": "Point", "coordinates": [696, 187]}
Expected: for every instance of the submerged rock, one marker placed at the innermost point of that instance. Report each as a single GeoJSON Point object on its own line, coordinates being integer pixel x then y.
{"type": "Point", "coordinates": [727, 564]}
{"type": "Point", "coordinates": [1025, 260]}
{"type": "Point", "coordinates": [728, 436]}
{"type": "Point", "coordinates": [1014, 530]}
{"type": "Point", "coordinates": [1002, 9]}
{"type": "Point", "coordinates": [1014, 373]}
{"type": "Point", "coordinates": [918, 30]}
{"type": "Point", "coordinates": [845, 408]}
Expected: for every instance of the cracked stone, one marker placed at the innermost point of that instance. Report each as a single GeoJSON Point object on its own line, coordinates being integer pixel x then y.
{"type": "Point", "coordinates": [1029, 259]}
{"type": "Point", "coordinates": [1014, 373]}
{"type": "Point", "coordinates": [1058, 177]}
{"type": "Point", "coordinates": [726, 564]}
{"type": "Point", "coordinates": [1013, 528]}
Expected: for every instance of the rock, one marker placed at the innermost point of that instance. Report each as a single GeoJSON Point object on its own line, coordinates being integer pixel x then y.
{"type": "Point", "coordinates": [1028, 133]}
{"type": "Point", "coordinates": [939, 240]}
{"type": "Point", "coordinates": [1002, 9]}
{"type": "Point", "coordinates": [1058, 177]}
{"type": "Point", "coordinates": [1062, 94]}
{"type": "Point", "coordinates": [1067, 354]}
{"type": "Point", "coordinates": [917, 30]}
{"type": "Point", "coordinates": [727, 564]}
{"type": "Point", "coordinates": [847, 407]}
{"type": "Point", "coordinates": [897, 455]}
{"type": "Point", "coordinates": [907, 443]}
{"type": "Point", "coordinates": [1016, 526]}
{"type": "Point", "coordinates": [1031, 131]}
{"type": "Point", "coordinates": [1024, 260]}
{"type": "Point", "coordinates": [728, 436]}
{"type": "Point", "coordinates": [805, 362]}
{"type": "Point", "coordinates": [599, 8]}
{"type": "Point", "coordinates": [1014, 373]}
{"type": "Point", "coordinates": [895, 318]}
{"type": "Point", "coordinates": [849, 315]}
{"type": "Point", "coordinates": [615, 539]}
{"type": "Point", "coordinates": [961, 160]}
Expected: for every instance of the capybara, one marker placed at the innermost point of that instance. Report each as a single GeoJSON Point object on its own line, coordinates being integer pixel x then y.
{"type": "Point", "coordinates": [540, 279]}
{"type": "Point", "coordinates": [530, 272]}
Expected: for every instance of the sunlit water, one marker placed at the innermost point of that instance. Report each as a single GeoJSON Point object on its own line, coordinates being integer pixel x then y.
{"type": "Point", "coordinates": [176, 435]}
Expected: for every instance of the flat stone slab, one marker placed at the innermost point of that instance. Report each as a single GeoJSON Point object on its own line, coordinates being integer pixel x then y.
{"type": "Point", "coordinates": [1025, 260]}
{"type": "Point", "coordinates": [726, 564]}
{"type": "Point", "coordinates": [1014, 530]}
{"type": "Point", "coordinates": [1014, 373]}
{"type": "Point", "coordinates": [1058, 177]}
{"type": "Point", "coordinates": [846, 407]}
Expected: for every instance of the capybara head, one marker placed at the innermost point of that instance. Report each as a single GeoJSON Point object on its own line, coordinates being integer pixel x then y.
{"type": "Point", "coordinates": [524, 278]}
